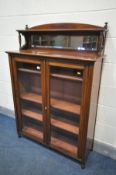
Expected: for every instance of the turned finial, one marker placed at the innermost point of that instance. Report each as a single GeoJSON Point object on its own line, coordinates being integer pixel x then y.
{"type": "Point", "coordinates": [106, 25]}
{"type": "Point", "coordinates": [26, 27]}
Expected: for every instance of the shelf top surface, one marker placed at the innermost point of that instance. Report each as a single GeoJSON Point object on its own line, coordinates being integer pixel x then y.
{"type": "Point", "coordinates": [59, 54]}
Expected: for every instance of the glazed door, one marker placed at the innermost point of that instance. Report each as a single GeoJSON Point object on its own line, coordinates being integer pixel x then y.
{"type": "Point", "coordinates": [64, 101]}
{"type": "Point", "coordinates": [30, 100]}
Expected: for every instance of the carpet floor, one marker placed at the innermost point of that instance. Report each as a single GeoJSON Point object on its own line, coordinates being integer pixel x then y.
{"type": "Point", "coordinates": [20, 156]}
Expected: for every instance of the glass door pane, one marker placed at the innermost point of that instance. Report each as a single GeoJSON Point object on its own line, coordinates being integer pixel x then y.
{"type": "Point", "coordinates": [29, 79]}
{"type": "Point", "coordinates": [65, 101]}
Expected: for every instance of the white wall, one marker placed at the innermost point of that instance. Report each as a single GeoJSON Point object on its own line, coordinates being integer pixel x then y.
{"type": "Point", "coordinates": [15, 14]}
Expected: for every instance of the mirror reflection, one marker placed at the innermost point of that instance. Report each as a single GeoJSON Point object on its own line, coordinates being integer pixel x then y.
{"type": "Point", "coordinates": [64, 41]}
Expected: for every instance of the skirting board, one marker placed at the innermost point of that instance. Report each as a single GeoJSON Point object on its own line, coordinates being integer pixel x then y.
{"type": "Point", "coordinates": [105, 149]}
{"type": "Point", "coordinates": [8, 112]}
{"type": "Point", "coordinates": [102, 148]}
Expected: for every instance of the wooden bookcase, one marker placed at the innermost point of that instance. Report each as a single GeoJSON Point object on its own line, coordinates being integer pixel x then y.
{"type": "Point", "coordinates": [55, 80]}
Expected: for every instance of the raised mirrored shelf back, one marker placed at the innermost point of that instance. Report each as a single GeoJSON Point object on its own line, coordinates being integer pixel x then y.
{"type": "Point", "coordinates": [87, 43]}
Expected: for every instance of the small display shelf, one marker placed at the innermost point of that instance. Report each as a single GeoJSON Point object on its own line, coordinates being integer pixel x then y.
{"type": "Point", "coordinates": [32, 133]}
{"type": "Point", "coordinates": [66, 77]}
{"type": "Point", "coordinates": [32, 115]}
{"type": "Point", "coordinates": [64, 146]}
{"type": "Point", "coordinates": [65, 106]}
{"type": "Point", "coordinates": [31, 97]}
{"type": "Point", "coordinates": [28, 70]}
{"type": "Point", "coordinates": [64, 126]}
{"type": "Point", "coordinates": [55, 80]}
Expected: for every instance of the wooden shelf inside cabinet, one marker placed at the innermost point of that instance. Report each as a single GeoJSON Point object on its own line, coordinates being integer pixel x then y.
{"type": "Point", "coordinates": [67, 77]}
{"type": "Point", "coordinates": [32, 133]}
{"type": "Point", "coordinates": [29, 70]}
{"type": "Point", "coordinates": [63, 146]}
{"type": "Point", "coordinates": [65, 106]}
{"type": "Point", "coordinates": [65, 126]}
{"type": "Point", "coordinates": [31, 97]}
{"type": "Point", "coordinates": [32, 115]}
{"type": "Point", "coordinates": [55, 103]}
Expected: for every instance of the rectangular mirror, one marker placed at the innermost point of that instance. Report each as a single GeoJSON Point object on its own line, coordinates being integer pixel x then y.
{"type": "Point", "coordinates": [65, 41]}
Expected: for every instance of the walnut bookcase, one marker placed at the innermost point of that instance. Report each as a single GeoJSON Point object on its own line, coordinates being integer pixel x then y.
{"type": "Point", "coordinates": [55, 80]}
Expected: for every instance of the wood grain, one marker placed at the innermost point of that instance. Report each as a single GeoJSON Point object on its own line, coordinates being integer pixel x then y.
{"type": "Point", "coordinates": [31, 114]}
{"type": "Point", "coordinates": [65, 27]}
{"type": "Point", "coordinates": [66, 77]}
{"type": "Point", "coordinates": [29, 70]}
{"type": "Point", "coordinates": [31, 132]}
{"type": "Point", "coordinates": [65, 106]}
{"type": "Point", "coordinates": [31, 97]}
{"type": "Point", "coordinates": [65, 126]}
{"type": "Point", "coordinates": [62, 145]}
{"type": "Point", "coordinates": [55, 103]}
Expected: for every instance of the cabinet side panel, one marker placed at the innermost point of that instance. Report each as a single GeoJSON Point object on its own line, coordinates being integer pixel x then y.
{"type": "Point", "coordinates": [94, 103]}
